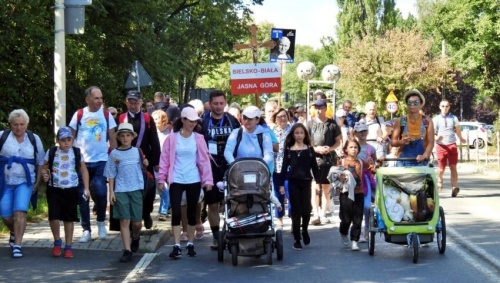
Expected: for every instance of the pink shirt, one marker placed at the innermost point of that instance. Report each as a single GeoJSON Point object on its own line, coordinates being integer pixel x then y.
{"type": "Point", "coordinates": [167, 160]}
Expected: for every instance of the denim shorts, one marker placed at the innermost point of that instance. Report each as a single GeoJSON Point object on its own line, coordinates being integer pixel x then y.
{"type": "Point", "coordinates": [15, 198]}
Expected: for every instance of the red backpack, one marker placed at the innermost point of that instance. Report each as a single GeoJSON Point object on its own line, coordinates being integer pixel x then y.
{"type": "Point", "coordinates": [79, 115]}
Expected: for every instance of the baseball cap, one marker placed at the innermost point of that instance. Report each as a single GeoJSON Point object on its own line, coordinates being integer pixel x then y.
{"type": "Point", "coordinates": [251, 112]}
{"type": "Point", "coordinates": [133, 94]}
{"type": "Point", "coordinates": [320, 103]}
{"type": "Point", "coordinates": [360, 126]}
{"type": "Point", "coordinates": [190, 114]}
{"type": "Point", "coordinates": [64, 132]}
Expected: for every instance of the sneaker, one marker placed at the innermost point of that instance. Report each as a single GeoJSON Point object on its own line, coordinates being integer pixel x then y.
{"type": "Point", "coordinates": [316, 221]}
{"type": "Point", "coordinates": [454, 192]}
{"type": "Point", "coordinates": [101, 230]}
{"type": "Point", "coordinates": [354, 246]}
{"type": "Point", "coordinates": [297, 246]}
{"type": "Point", "coordinates": [162, 217]}
{"type": "Point", "coordinates": [126, 257]}
{"type": "Point", "coordinates": [56, 251]}
{"type": "Point", "coordinates": [215, 245]}
{"type": "Point", "coordinates": [324, 220]}
{"type": "Point", "coordinates": [345, 240]}
{"type": "Point", "coordinates": [306, 238]}
{"type": "Point", "coordinates": [86, 236]}
{"type": "Point", "coordinates": [190, 250]}
{"type": "Point", "coordinates": [176, 252]}
{"type": "Point", "coordinates": [17, 252]}
{"type": "Point", "coordinates": [68, 253]}
{"type": "Point", "coordinates": [134, 245]}
{"type": "Point", "coordinates": [12, 240]}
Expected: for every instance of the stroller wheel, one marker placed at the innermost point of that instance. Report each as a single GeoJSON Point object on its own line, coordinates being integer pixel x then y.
{"type": "Point", "coordinates": [269, 252]}
{"type": "Point", "coordinates": [220, 246]}
{"type": "Point", "coordinates": [441, 232]}
{"type": "Point", "coordinates": [279, 244]}
{"type": "Point", "coordinates": [415, 246]}
{"type": "Point", "coordinates": [234, 253]}
{"type": "Point", "coordinates": [371, 236]}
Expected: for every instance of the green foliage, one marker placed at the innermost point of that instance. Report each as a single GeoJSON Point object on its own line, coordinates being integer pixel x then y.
{"type": "Point", "coordinates": [176, 41]}
{"type": "Point", "coordinates": [471, 30]}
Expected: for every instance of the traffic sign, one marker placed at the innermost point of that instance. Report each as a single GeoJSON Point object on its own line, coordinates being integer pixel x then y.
{"type": "Point", "coordinates": [392, 107]}
{"type": "Point", "coordinates": [138, 77]}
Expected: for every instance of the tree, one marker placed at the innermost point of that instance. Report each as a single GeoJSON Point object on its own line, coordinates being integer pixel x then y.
{"type": "Point", "coordinates": [399, 60]}
{"type": "Point", "coordinates": [471, 31]}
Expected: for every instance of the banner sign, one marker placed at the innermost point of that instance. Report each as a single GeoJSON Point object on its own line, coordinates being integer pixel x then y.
{"type": "Point", "coordinates": [285, 45]}
{"type": "Point", "coordinates": [255, 78]}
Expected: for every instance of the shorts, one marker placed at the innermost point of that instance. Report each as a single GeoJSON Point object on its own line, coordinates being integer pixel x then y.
{"type": "Point", "coordinates": [63, 204]}
{"type": "Point", "coordinates": [15, 198]}
{"type": "Point", "coordinates": [128, 205]}
{"type": "Point", "coordinates": [446, 154]}
{"type": "Point", "coordinates": [323, 174]}
{"type": "Point", "coordinates": [214, 195]}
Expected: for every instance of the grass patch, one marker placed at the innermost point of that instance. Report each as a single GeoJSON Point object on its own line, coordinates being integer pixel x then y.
{"type": "Point", "coordinates": [34, 215]}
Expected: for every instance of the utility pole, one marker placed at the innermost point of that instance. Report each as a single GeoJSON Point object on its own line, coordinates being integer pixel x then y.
{"type": "Point", "coordinates": [59, 67]}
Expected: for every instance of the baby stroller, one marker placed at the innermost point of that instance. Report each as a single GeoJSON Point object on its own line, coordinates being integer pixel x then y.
{"type": "Point", "coordinates": [406, 209]}
{"type": "Point", "coordinates": [248, 219]}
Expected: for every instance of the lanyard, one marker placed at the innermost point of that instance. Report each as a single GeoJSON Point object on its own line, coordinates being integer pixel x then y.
{"type": "Point", "coordinates": [210, 125]}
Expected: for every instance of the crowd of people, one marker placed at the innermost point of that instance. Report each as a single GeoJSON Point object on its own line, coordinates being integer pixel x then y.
{"type": "Point", "coordinates": [104, 155]}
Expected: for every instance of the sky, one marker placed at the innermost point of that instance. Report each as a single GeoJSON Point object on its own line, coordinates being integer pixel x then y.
{"type": "Point", "coordinates": [313, 19]}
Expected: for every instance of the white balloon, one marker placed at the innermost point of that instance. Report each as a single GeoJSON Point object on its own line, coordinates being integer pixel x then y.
{"type": "Point", "coordinates": [306, 70]}
{"type": "Point", "coordinates": [330, 73]}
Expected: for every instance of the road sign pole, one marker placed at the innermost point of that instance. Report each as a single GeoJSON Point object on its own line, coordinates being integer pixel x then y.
{"type": "Point", "coordinates": [59, 67]}
{"type": "Point", "coordinates": [138, 76]}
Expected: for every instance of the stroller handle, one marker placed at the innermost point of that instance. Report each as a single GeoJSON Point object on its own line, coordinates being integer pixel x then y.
{"type": "Point", "coordinates": [403, 159]}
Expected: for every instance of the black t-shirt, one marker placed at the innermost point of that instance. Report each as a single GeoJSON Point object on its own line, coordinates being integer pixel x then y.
{"type": "Point", "coordinates": [323, 133]}
{"type": "Point", "coordinates": [218, 131]}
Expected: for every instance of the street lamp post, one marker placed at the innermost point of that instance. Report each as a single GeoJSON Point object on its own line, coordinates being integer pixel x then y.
{"type": "Point", "coordinates": [330, 75]}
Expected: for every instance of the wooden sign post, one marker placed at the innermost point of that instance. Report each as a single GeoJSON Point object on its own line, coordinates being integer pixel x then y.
{"type": "Point", "coordinates": [254, 45]}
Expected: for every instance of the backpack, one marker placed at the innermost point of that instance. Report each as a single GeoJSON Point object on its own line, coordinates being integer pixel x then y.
{"type": "Point", "coordinates": [31, 137]}
{"type": "Point", "coordinates": [147, 119]}
{"type": "Point", "coordinates": [79, 115]}
{"type": "Point", "coordinates": [78, 158]}
{"type": "Point", "coordinates": [238, 140]}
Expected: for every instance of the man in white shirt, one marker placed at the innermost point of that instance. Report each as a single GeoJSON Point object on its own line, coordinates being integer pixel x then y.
{"type": "Point", "coordinates": [94, 135]}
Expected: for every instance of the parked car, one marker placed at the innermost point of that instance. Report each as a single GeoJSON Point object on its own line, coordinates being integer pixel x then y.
{"type": "Point", "coordinates": [476, 132]}
{"type": "Point", "coordinates": [489, 130]}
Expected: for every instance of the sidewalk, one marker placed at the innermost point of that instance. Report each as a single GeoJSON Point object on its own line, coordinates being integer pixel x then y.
{"type": "Point", "coordinates": [39, 235]}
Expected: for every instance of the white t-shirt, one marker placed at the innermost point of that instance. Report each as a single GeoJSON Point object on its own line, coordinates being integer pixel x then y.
{"type": "Point", "coordinates": [375, 128]}
{"type": "Point", "coordinates": [92, 134]}
{"type": "Point", "coordinates": [185, 170]}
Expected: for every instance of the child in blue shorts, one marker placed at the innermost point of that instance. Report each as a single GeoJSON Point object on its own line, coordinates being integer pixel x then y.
{"type": "Point", "coordinates": [123, 169]}
{"type": "Point", "coordinates": [62, 165]}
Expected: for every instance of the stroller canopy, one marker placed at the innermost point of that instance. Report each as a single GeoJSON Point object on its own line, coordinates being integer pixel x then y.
{"type": "Point", "coordinates": [409, 183]}
{"type": "Point", "coordinates": [248, 176]}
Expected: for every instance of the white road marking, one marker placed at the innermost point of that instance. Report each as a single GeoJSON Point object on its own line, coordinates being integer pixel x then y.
{"type": "Point", "coordinates": [140, 266]}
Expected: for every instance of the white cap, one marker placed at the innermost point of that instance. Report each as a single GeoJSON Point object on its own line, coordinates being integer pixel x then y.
{"type": "Point", "coordinates": [360, 126]}
{"type": "Point", "coordinates": [251, 112]}
{"type": "Point", "coordinates": [190, 113]}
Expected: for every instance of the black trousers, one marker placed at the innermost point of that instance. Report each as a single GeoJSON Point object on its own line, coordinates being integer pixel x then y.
{"type": "Point", "coordinates": [351, 212]}
{"type": "Point", "coordinates": [300, 199]}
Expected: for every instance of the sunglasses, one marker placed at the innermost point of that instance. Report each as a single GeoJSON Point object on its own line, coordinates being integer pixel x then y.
{"type": "Point", "coordinates": [413, 102]}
